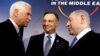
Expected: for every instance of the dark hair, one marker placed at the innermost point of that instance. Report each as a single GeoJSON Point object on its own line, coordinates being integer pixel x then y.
{"type": "Point", "coordinates": [51, 12]}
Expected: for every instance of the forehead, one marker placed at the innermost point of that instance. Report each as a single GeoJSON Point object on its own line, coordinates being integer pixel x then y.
{"type": "Point", "coordinates": [49, 17]}
{"type": "Point", "coordinates": [26, 7]}
{"type": "Point", "coordinates": [73, 15]}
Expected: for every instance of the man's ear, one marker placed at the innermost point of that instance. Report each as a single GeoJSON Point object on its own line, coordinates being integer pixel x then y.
{"type": "Point", "coordinates": [16, 12]}
{"type": "Point", "coordinates": [82, 19]}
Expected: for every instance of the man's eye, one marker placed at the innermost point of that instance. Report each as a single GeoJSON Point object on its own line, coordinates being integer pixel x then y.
{"type": "Point", "coordinates": [28, 13]}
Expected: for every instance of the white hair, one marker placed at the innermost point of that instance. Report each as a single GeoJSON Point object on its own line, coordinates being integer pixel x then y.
{"type": "Point", "coordinates": [18, 5]}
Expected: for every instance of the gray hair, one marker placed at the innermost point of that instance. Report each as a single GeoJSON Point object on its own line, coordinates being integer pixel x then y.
{"type": "Point", "coordinates": [83, 12]}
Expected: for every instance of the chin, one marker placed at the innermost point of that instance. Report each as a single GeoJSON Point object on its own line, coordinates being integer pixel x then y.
{"type": "Point", "coordinates": [47, 31]}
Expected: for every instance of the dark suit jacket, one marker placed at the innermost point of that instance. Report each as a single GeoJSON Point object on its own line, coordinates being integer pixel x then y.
{"type": "Point", "coordinates": [10, 42]}
{"type": "Point", "coordinates": [35, 47]}
{"type": "Point", "coordinates": [88, 45]}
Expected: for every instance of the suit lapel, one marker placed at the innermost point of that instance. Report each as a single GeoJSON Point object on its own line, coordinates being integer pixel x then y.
{"type": "Point", "coordinates": [41, 38]}
{"type": "Point", "coordinates": [10, 25]}
{"type": "Point", "coordinates": [12, 28]}
{"type": "Point", "coordinates": [14, 32]}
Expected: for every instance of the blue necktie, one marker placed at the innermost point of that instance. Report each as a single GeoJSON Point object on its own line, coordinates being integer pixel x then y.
{"type": "Point", "coordinates": [73, 42]}
{"type": "Point", "coordinates": [47, 46]}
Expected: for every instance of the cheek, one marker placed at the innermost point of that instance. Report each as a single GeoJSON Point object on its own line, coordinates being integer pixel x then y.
{"type": "Point", "coordinates": [23, 20]}
{"type": "Point", "coordinates": [52, 23]}
{"type": "Point", "coordinates": [73, 26]}
{"type": "Point", "coordinates": [43, 24]}
{"type": "Point", "coordinates": [25, 16]}
{"type": "Point", "coordinates": [22, 16]}
{"type": "Point", "coordinates": [54, 26]}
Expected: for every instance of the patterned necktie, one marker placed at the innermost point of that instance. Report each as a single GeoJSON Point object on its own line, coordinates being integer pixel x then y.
{"type": "Point", "coordinates": [47, 46]}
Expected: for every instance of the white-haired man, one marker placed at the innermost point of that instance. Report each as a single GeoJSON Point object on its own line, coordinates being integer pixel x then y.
{"type": "Point", "coordinates": [11, 30]}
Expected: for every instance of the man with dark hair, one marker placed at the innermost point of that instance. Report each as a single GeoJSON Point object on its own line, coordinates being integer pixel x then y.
{"type": "Point", "coordinates": [48, 43]}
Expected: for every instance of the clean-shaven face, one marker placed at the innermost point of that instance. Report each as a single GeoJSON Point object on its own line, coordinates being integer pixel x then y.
{"type": "Point", "coordinates": [50, 23]}
{"type": "Point", "coordinates": [73, 24]}
{"type": "Point", "coordinates": [25, 15]}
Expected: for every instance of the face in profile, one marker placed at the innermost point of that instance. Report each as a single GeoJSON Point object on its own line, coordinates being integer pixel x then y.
{"type": "Point", "coordinates": [50, 23]}
{"type": "Point", "coordinates": [73, 24]}
{"type": "Point", "coordinates": [24, 15]}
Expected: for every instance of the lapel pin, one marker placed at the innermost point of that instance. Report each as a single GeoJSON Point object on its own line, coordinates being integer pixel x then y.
{"type": "Point", "coordinates": [57, 40]}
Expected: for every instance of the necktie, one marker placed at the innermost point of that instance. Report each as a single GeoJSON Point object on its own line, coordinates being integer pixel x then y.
{"type": "Point", "coordinates": [47, 46]}
{"type": "Point", "coordinates": [73, 42]}
{"type": "Point", "coordinates": [20, 33]}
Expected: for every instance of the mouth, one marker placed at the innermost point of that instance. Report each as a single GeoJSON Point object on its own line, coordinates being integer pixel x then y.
{"type": "Point", "coordinates": [68, 29]}
{"type": "Point", "coordinates": [46, 27]}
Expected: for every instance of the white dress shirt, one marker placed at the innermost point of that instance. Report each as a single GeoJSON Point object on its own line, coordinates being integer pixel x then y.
{"type": "Point", "coordinates": [15, 25]}
{"type": "Point", "coordinates": [81, 34]}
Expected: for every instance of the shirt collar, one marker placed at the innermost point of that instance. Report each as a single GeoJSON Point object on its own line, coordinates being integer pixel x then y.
{"type": "Point", "coordinates": [81, 34]}
{"type": "Point", "coordinates": [52, 35]}
{"type": "Point", "coordinates": [15, 25]}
